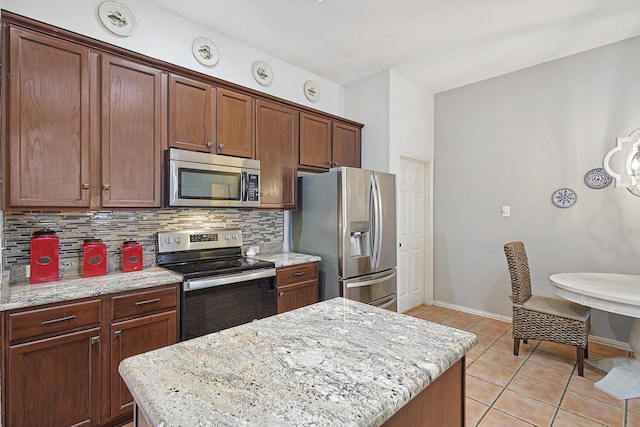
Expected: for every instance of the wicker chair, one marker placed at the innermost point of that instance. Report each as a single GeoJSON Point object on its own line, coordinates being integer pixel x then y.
{"type": "Point", "coordinates": [542, 318]}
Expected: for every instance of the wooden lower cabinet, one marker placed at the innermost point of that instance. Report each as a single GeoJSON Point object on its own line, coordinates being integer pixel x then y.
{"type": "Point", "coordinates": [133, 337]}
{"type": "Point", "coordinates": [297, 286]}
{"type": "Point", "coordinates": [440, 404]}
{"type": "Point", "coordinates": [59, 366]}
{"type": "Point", "coordinates": [55, 381]}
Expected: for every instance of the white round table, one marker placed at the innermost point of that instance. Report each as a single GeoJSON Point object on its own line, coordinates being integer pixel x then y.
{"type": "Point", "coordinates": [615, 293]}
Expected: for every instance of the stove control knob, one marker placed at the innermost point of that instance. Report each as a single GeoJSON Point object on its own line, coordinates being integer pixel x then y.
{"type": "Point", "coordinates": [178, 240]}
{"type": "Point", "coordinates": [227, 237]}
{"type": "Point", "coordinates": [169, 240]}
{"type": "Point", "coordinates": [235, 237]}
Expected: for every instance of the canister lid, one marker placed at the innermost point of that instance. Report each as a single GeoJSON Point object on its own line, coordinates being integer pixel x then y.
{"type": "Point", "coordinates": [43, 232]}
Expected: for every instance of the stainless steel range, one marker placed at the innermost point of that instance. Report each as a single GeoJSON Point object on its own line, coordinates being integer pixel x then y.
{"type": "Point", "coordinates": [220, 287]}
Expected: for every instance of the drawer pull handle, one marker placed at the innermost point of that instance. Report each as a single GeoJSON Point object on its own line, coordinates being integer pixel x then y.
{"type": "Point", "coordinates": [95, 340]}
{"type": "Point", "coordinates": [299, 273]}
{"type": "Point", "coordinates": [117, 334]}
{"type": "Point", "coordinates": [149, 301]}
{"type": "Point", "coordinates": [280, 294]}
{"type": "Point", "coordinates": [62, 319]}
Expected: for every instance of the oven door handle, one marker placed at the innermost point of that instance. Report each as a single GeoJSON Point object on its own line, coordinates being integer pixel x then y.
{"type": "Point", "coordinates": [192, 285]}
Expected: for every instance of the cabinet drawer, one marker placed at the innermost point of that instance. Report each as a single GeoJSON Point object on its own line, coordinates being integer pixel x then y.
{"type": "Point", "coordinates": [142, 302]}
{"type": "Point", "coordinates": [46, 321]}
{"type": "Point", "coordinates": [298, 273]}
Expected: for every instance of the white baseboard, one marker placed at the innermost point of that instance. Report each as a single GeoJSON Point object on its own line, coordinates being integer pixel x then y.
{"type": "Point", "coordinates": [592, 338]}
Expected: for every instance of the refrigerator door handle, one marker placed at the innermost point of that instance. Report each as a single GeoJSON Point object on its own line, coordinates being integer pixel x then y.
{"type": "Point", "coordinates": [375, 237]}
{"type": "Point", "coordinates": [371, 282]}
{"type": "Point", "coordinates": [379, 223]}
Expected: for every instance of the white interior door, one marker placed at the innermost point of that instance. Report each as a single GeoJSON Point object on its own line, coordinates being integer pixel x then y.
{"type": "Point", "coordinates": [412, 213]}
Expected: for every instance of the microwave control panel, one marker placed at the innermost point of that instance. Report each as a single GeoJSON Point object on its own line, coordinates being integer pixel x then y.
{"type": "Point", "coordinates": [253, 188]}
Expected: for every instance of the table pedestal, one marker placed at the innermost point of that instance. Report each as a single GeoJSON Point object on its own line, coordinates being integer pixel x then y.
{"type": "Point", "coordinates": [623, 378]}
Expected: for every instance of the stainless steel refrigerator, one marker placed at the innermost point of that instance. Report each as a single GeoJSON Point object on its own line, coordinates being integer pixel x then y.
{"type": "Point", "coordinates": [348, 218]}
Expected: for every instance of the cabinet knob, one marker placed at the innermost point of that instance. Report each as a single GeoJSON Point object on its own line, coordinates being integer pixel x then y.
{"type": "Point", "coordinates": [85, 186]}
{"type": "Point", "coordinates": [280, 294]}
{"type": "Point", "coordinates": [329, 163]}
{"type": "Point", "coordinates": [117, 334]}
{"type": "Point", "coordinates": [221, 146]}
{"type": "Point", "coordinates": [106, 187]}
{"type": "Point", "coordinates": [209, 144]}
{"type": "Point", "coordinates": [95, 340]}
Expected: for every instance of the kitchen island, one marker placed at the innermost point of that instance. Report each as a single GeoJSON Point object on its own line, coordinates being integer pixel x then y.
{"type": "Point", "coordinates": [338, 362]}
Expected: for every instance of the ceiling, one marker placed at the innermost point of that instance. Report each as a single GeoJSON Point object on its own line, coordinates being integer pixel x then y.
{"type": "Point", "coordinates": [439, 44]}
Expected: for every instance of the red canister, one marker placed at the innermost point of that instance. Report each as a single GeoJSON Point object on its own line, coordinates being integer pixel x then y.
{"type": "Point", "coordinates": [95, 258]}
{"type": "Point", "coordinates": [131, 256]}
{"type": "Point", "coordinates": [45, 246]}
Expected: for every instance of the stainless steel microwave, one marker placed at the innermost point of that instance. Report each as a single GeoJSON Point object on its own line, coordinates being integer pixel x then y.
{"type": "Point", "coordinates": [209, 180]}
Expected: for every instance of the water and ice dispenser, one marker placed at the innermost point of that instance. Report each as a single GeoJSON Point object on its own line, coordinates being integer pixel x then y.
{"type": "Point", "coordinates": [359, 237]}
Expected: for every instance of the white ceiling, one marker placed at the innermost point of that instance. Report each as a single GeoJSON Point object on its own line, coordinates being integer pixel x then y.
{"type": "Point", "coordinates": [439, 44]}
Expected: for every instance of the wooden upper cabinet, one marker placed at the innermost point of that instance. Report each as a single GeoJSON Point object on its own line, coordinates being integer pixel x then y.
{"type": "Point", "coordinates": [315, 141]}
{"type": "Point", "coordinates": [235, 124]}
{"type": "Point", "coordinates": [192, 114]}
{"type": "Point", "coordinates": [346, 145]}
{"type": "Point", "coordinates": [277, 129]}
{"type": "Point", "coordinates": [47, 154]}
{"type": "Point", "coordinates": [133, 133]}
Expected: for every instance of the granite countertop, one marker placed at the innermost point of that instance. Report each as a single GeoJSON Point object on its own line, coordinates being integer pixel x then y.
{"type": "Point", "coordinates": [19, 295]}
{"type": "Point", "coordinates": [286, 259]}
{"type": "Point", "coordinates": [337, 362]}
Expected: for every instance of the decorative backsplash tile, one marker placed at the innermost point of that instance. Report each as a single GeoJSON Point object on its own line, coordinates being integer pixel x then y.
{"type": "Point", "coordinates": [259, 227]}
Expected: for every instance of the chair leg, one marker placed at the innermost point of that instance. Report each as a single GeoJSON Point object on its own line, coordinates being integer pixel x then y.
{"type": "Point", "coordinates": [586, 351]}
{"type": "Point", "coordinates": [516, 346]}
{"type": "Point", "coordinates": [580, 357]}
{"type": "Point", "coordinates": [525, 341]}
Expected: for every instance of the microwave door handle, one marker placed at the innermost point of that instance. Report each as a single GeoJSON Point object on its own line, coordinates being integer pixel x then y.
{"type": "Point", "coordinates": [244, 184]}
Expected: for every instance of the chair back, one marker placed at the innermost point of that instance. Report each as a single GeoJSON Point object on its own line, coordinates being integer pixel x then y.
{"type": "Point", "coordinates": [519, 271]}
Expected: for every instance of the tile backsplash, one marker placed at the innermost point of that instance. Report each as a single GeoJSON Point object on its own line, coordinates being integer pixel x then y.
{"type": "Point", "coordinates": [259, 227]}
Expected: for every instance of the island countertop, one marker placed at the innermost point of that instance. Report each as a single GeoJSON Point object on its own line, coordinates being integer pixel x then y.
{"type": "Point", "coordinates": [338, 362]}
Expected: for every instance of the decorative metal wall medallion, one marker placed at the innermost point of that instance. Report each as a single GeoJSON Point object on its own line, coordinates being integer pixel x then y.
{"type": "Point", "coordinates": [262, 73]}
{"type": "Point", "coordinates": [564, 198]}
{"type": "Point", "coordinates": [597, 178]}
{"type": "Point", "coordinates": [311, 90]}
{"type": "Point", "coordinates": [205, 51]}
{"type": "Point", "coordinates": [117, 18]}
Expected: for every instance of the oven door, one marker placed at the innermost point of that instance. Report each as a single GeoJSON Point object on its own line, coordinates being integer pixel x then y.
{"type": "Point", "coordinates": [212, 304]}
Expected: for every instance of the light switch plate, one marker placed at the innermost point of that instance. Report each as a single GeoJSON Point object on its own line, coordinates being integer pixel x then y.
{"type": "Point", "coordinates": [506, 211]}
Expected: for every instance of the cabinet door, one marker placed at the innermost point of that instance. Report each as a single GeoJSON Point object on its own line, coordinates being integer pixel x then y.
{"type": "Point", "coordinates": [48, 117]}
{"type": "Point", "coordinates": [133, 337]}
{"type": "Point", "coordinates": [315, 141]}
{"type": "Point", "coordinates": [346, 145]}
{"type": "Point", "coordinates": [235, 124]}
{"type": "Point", "coordinates": [297, 295]}
{"type": "Point", "coordinates": [133, 133]}
{"type": "Point", "coordinates": [277, 150]}
{"type": "Point", "coordinates": [55, 381]}
{"type": "Point", "coordinates": [192, 114]}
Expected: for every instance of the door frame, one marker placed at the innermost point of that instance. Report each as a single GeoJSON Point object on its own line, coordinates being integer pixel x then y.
{"type": "Point", "coordinates": [428, 220]}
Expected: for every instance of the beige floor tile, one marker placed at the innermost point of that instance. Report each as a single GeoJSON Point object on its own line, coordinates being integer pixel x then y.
{"type": "Point", "coordinates": [494, 324]}
{"type": "Point", "coordinates": [593, 409]}
{"type": "Point", "coordinates": [634, 405]}
{"type": "Point", "coordinates": [433, 316]}
{"type": "Point", "coordinates": [485, 340]}
{"type": "Point", "coordinates": [594, 374]}
{"type": "Point", "coordinates": [537, 389]}
{"type": "Point", "coordinates": [481, 390]}
{"type": "Point", "coordinates": [415, 310]}
{"type": "Point", "coordinates": [567, 419]}
{"type": "Point", "coordinates": [507, 361]}
{"type": "Point", "coordinates": [495, 418]}
{"type": "Point", "coordinates": [585, 387]}
{"type": "Point", "coordinates": [545, 373]}
{"type": "Point", "coordinates": [525, 408]}
{"type": "Point", "coordinates": [491, 373]}
{"type": "Point", "coordinates": [559, 349]}
{"type": "Point", "coordinates": [473, 411]}
{"type": "Point", "coordinates": [463, 315]}
{"type": "Point", "coordinates": [476, 351]}
{"type": "Point", "coordinates": [553, 360]}
{"type": "Point", "coordinates": [442, 310]}
{"type": "Point", "coordinates": [492, 331]}
{"type": "Point", "coordinates": [504, 344]}
{"type": "Point", "coordinates": [459, 322]}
